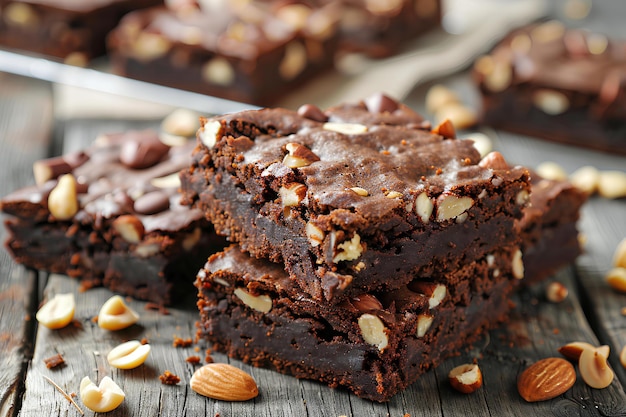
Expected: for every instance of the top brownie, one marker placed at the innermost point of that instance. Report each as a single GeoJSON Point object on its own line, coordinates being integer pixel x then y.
{"type": "Point", "coordinates": [360, 197]}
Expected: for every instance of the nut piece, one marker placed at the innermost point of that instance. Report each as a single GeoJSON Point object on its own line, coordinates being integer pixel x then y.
{"type": "Point", "coordinates": [224, 382]}
{"type": "Point", "coordinates": [594, 369]}
{"type": "Point", "coordinates": [373, 331]}
{"type": "Point", "coordinates": [438, 96]}
{"type": "Point", "coordinates": [616, 278]}
{"type": "Point", "coordinates": [314, 233]}
{"type": "Point", "coordinates": [445, 128]}
{"type": "Point", "coordinates": [619, 257]}
{"type": "Point", "coordinates": [360, 191]}
{"type": "Point", "coordinates": [573, 350]}
{"type": "Point", "coordinates": [299, 156]}
{"type": "Point", "coordinates": [366, 302]}
{"type": "Point", "coordinates": [129, 227]}
{"type": "Point", "coordinates": [218, 71]}
{"type": "Point", "coordinates": [292, 194]}
{"type": "Point", "coordinates": [345, 128]}
{"type": "Point", "coordinates": [349, 249]}
{"type": "Point", "coordinates": [424, 207]}
{"type": "Point", "coordinates": [461, 117]}
{"type": "Point", "coordinates": [585, 179]}
{"type": "Point", "coordinates": [294, 61]}
{"type": "Point", "coordinates": [550, 102]}
{"type": "Point", "coordinates": [451, 206]}
{"type": "Point", "coordinates": [168, 181]}
{"type": "Point", "coordinates": [494, 160]}
{"type": "Point", "coordinates": [435, 292]}
{"type": "Point", "coordinates": [546, 379]}
{"type": "Point", "coordinates": [116, 315]}
{"type": "Point", "coordinates": [612, 184]}
{"type": "Point", "coordinates": [210, 133]}
{"type": "Point", "coordinates": [424, 321]}
{"type": "Point", "coordinates": [518, 265]}
{"type": "Point", "coordinates": [551, 171]}
{"type": "Point", "coordinates": [181, 122]}
{"type": "Point", "coordinates": [128, 355]}
{"type": "Point", "coordinates": [556, 292]}
{"type": "Point", "coordinates": [466, 378]}
{"type": "Point", "coordinates": [101, 399]}
{"type": "Point", "coordinates": [622, 357]}
{"type": "Point", "coordinates": [482, 143]}
{"type": "Point", "coordinates": [262, 303]}
{"type": "Point", "coordinates": [63, 201]}
{"type": "Point", "coordinates": [57, 312]}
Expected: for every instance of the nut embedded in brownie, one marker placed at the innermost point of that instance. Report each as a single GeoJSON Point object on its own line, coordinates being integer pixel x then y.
{"type": "Point", "coordinates": [110, 215]}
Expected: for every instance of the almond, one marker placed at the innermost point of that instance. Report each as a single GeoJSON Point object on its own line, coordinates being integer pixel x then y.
{"type": "Point", "coordinates": [225, 382]}
{"type": "Point", "coordinates": [546, 379]}
{"type": "Point", "coordinates": [573, 350]}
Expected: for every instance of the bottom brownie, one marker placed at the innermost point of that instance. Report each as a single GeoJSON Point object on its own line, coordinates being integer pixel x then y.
{"type": "Point", "coordinates": [373, 344]}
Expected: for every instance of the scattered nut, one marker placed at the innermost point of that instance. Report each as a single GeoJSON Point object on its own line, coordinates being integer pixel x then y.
{"type": "Point", "coordinates": [612, 184]}
{"type": "Point", "coordinates": [168, 181]}
{"type": "Point", "coordinates": [393, 194]}
{"type": "Point", "coordinates": [482, 142]}
{"type": "Point", "coordinates": [294, 60]}
{"type": "Point", "coordinates": [373, 331]}
{"type": "Point", "coordinates": [360, 191]}
{"type": "Point", "coordinates": [349, 249]}
{"type": "Point", "coordinates": [518, 265]}
{"type": "Point", "coordinates": [292, 194]}
{"type": "Point", "coordinates": [424, 321]}
{"type": "Point", "coordinates": [128, 355]}
{"type": "Point", "coordinates": [210, 132]}
{"type": "Point", "coordinates": [462, 117]}
{"type": "Point", "coordinates": [129, 227]}
{"type": "Point", "coordinates": [445, 128]}
{"type": "Point", "coordinates": [262, 303]}
{"type": "Point", "coordinates": [451, 206]}
{"type": "Point", "coordinates": [224, 382]}
{"type": "Point", "coordinates": [550, 102]}
{"type": "Point", "coordinates": [63, 201]}
{"type": "Point", "coordinates": [556, 292]}
{"type": "Point", "coordinates": [619, 257]}
{"type": "Point", "coordinates": [616, 278]}
{"type": "Point", "coordinates": [438, 96]}
{"type": "Point", "coordinates": [103, 398]}
{"type": "Point", "coordinates": [466, 378]}
{"type": "Point", "coordinates": [594, 369]}
{"type": "Point", "coordinates": [218, 71]}
{"type": "Point", "coordinates": [314, 234]}
{"type": "Point", "coordinates": [181, 122]}
{"type": "Point", "coordinates": [116, 315]}
{"type": "Point", "coordinates": [585, 179]}
{"type": "Point", "coordinates": [546, 379]}
{"type": "Point", "coordinates": [424, 207]}
{"type": "Point", "coordinates": [345, 128]}
{"type": "Point", "coordinates": [299, 156]}
{"type": "Point", "coordinates": [57, 312]}
{"type": "Point", "coordinates": [573, 350]}
{"type": "Point", "coordinates": [551, 171]}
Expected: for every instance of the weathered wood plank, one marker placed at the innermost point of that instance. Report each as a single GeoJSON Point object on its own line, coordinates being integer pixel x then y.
{"type": "Point", "coordinates": [25, 124]}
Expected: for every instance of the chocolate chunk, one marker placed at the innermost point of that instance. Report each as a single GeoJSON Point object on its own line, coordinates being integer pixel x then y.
{"type": "Point", "coordinates": [312, 112]}
{"type": "Point", "coordinates": [142, 149]}
{"type": "Point", "coordinates": [152, 203]}
{"type": "Point", "coordinates": [380, 103]}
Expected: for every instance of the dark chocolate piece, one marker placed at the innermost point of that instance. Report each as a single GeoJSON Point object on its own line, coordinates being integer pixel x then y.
{"type": "Point", "coordinates": [559, 84]}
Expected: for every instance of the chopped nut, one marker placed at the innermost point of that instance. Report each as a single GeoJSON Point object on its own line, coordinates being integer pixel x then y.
{"type": "Point", "coordinates": [294, 60]}
{"type": "Point", "coordinates": [619, 257]}
{"type": "Point", "coordinates": [522, 197]}
{"type": "Point", "coordinates": [116, 315]}
{"type": "Point", "coordinates": [299, 156]}
{"type": "Point", "coordinates": [550, 102]}
{"type": "Point", "coordinates": [168, 181]}
{"type": "Point", "coordinates": [393, 194]}
{"type": "Point", "coordinates": [556, 292]}
{"type": "Point", "coordinates": [218, 71]}
{"type": "Point", "coordinates": [181, 122]}
{"type": "Point", "coordinates": [424, 207]}
{"type": "Point", "coordinates": [594, 369]}
{"type": "Point", "coordinates": [57, 312]}
{"type": "Point", "coordinates": [168, 378]}
{"type": "Point", "coordinates": [482, 143]}
{"type": "Point", "coordinates": [103, 398]}
{"type": "Point", "coordinates": [129, 227]}
{"type": "Point", "coordinates": [424, 321]}
{"type": "Point", "coordinates": [616, 278]}
{"type": "Point", "coordinates": [551, 171]}
{"type": "Point", "coordinates": [573, 350]}
{"type": "Point", "coordinates": [518, 265]}
{"type": "Point", "coordinates": [450, 206]}
{"type": "Point", "coordinates": [438, 96]}
{"type": "Point", "coordinates": [292, 194]}
{"type": "Point", "coordinates": [360, 191]}
{"type": "Point", "coordinates": [546, 379]}
{"type": "Point", "coordinates": [63, 201]}
{"type": "Point", "coordinates": [349, 249]}
{"type": "Point", "coordinates": [435, 292]}
{"type": "Point", "coordinates": [345, 128]}
{"type": "Point", "coordinates": [210, 133]}
{"type": "Point", "coordinates": [54, 361]}
{"type": "Point", "coordinates": [445, 128]}
{"type": "Point", "coordinates": [373, 331]}
{"type": "Point", "coordinates": [494, 160]}
{"type": "Point", "coordinates": [128, 355]}
{"type": "Point", "coordinates": [466, 378]}
{"type": "Point", "coordinates": [262, 303]}
{"type": "Point", "coordinates": [224, 382]}
{"type": "Point", "coordinates": [314, 234]}
{"type": "Point", "coordinates": [612, 184]}
{"type": "Point", "coordinates": [462, 117]}
{"type": "Point", "coordinates": [585, 179]}
{"type": "Point", "coordinates": [366, 302]}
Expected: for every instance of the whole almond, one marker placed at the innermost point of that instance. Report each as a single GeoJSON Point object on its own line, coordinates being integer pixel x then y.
{"type": "Point", "coordinates": [546, 379]}
{"type": "Point", "coordinates": [225, 382]}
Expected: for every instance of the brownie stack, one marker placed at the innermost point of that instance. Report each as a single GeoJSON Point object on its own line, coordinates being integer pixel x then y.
{"type": "Point", "coordinates": [370, 247]}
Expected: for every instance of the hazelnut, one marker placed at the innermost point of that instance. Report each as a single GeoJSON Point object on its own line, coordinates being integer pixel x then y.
{"type": "Point", "coordinates": [262, 303]}
{"type": "Point", "coordinates": [373, 331]}
{"type": "Point", "coordinates": [466, 378]}
{"type": "Point", "coordinates": [299, 156]}
{"type": "Point", "coordinates": [622, 357]}
{"type": "Point", "coordinates": [129, 227]}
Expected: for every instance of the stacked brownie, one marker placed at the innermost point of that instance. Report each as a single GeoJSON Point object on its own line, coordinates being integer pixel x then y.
{"type": "Point", "coordinates": [110, 215]}
{"type": "Point", "coordinates": [377, 244]}
{"type": "Point", "coordinates": [565, 85]}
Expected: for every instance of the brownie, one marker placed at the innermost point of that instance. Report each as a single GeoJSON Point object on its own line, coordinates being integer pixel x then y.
{"type": "Point", "coordinates": [550, 238]}
{"type": "Point", "coordinates": [253, 53]}
{"type": "Point", "coordinates": [71, 30]}
{"type": "Point", "coordinates": [374, 344]}
{"type": "Point", "coordinates": [110, 215]}
{"type": "Point", "coordinates": [560, 84]}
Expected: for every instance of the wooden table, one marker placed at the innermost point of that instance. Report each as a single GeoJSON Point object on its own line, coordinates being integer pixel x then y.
{"type": "Point", "coordinates": [591, 313]}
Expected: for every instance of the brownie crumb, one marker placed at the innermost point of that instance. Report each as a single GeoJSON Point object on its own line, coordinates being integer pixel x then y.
{"type": "Point", "coordinates": [194, 359]}
{"type": "Point", "coordinates": [54, 361]}
{"type": "Point", "coordinates": [157, 307]}
{"type": "Point", "coordinates": [168, 378]}
{"type": "Point", "coordinates": [144, 341]}
{"type": "Point", "coordinates": [179, 342]}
